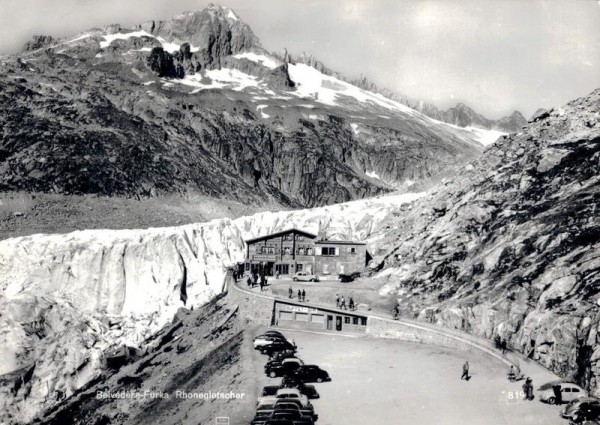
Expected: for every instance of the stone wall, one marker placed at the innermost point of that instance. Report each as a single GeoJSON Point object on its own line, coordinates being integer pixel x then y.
{"type": "Point", "coordinates": [412, 332]}
{"type": "Point", "coordinates": [256, 307]}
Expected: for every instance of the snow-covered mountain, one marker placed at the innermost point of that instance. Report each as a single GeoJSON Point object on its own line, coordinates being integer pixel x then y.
{"type": "Point", "coordinates": [195, 104]}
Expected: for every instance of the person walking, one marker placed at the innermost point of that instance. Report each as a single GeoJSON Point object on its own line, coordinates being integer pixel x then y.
{"type": "Point", "coordinates": [291, 292]}
{"type": "Point", "coordinates": [261, 282]}
{"type": "Point", "coordinates": [337, 300]}
{"type": "Point", "coordinates": [254, 280]}
{"type": "Point", "coordinates": [303, 296]}
{"type": "Point", "coordinates": [465, 374]}
{"type": "Point", "coordinates": [343, 304]}
{"type": "Point", "coordinates": [299, 295]}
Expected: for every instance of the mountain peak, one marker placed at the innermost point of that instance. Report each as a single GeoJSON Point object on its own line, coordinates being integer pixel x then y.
{"type": "Point", "coordinates": [214, 27]}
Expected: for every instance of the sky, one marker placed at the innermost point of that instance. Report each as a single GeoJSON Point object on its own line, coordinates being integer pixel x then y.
{"type": "Point", "coordinates": [494, 55]}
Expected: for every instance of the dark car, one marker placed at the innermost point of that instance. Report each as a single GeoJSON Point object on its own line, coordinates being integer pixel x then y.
{"type": "Point", "coordinates": [586, 412]}
{"type": "Point", "coordinates": [276, 346]}
{"type": "Point", "coordinates": [348, 277]}
{"type": "Point", "coordinates": [293, 415]}
{"type": "Point", "coordinates": [280, 355]}
{"type": "Point", "coordinates": [309, 391]}
{"type": "Point", "coordinates": [311, 373]}
{"type": "Point", "coordinates": [283, 367]}
{"type": "Point", "coordinates": [578, 406]}
{"type": "Point", "coordinates": [270, 390]}
{"type": "Point", "coordinates": [286, 405]}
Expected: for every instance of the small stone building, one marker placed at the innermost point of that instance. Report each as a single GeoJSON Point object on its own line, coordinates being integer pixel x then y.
{"type": "Point", "coordinates": [290, 251]}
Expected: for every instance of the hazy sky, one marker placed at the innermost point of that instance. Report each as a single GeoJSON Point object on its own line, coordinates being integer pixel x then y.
{"type": "Point", "coordinates": [494, 55]}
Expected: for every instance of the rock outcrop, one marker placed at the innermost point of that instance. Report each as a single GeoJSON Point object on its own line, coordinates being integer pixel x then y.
{"type": "Point", "coordinates": [510, 247]}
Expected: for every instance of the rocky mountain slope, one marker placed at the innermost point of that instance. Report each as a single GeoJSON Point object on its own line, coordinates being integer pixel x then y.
{"type": "Point", "coordinates": [79, 295]}
{"type": "Point", "coordinates": [194, 104]}
{"type": "Point", "coordinates": [460, 115]}
{"type": "Point", "coordinates": [510, 246]}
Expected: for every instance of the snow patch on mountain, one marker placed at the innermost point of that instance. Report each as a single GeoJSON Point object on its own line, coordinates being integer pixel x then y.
{"type": "Point", "coordinates": [260, 108]}
{"type": "Point", "coordinates": [261, 59]}
{"type": "Point", "coordinates": [311, 83]}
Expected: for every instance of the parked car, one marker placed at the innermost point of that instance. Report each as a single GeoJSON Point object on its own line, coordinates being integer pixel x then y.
{"type": "Point", "coordinates": [276, 346]}
{"type": "Point", "coordinates": [580, 405]}
{"type": "Point", "coordinates": [262, 340]}
{"type": "Point", "coordinates": [569, 392]}
{"type": "Point", "coordinates": [287, 394]}
{"type": "Point", "coordinates": [293, 415]}
{"type": "Point", "coordinates": [270, 390]}
{"type": "Point", "coordinates": [348, 277]}
{"type": "Point", "coordinates": [311, 373]}
{"type": "Point", "coordinates": [306, 277]}
{"type": "Point", "coordinates": [276, 368]}
{"type": "Point", "coordinates": [284, 405]}
{"type": "Point", "coordinates": [280, 355]}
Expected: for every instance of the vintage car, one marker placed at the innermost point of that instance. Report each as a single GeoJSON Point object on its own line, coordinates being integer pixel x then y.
{"type": "Point", "coordinates": [311, 373]}
{"type": "Point", "coordinates": [276, 346]}
{"type": "Point", "coordinates": [305, 277]}
{"type": "Point", "coordinates": [285, 394]}
{"type": "Point", "coordinates": [568, 391]}
{"type": "Point", "coordinates": [580, 408]}
{"type": "Point", "coordinates": [275, 368]}
{"type": "Point", "coordinates": [348, 277]}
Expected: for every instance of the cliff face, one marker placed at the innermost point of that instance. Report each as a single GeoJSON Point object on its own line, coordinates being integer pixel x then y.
{"type": "Point", "coordinates": [510, 247]}
{"type": "Point", "coordinates": [195, 104]}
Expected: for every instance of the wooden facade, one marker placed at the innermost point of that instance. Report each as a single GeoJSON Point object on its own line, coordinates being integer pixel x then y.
{"type": "Point", "coordinates": [285, 253]}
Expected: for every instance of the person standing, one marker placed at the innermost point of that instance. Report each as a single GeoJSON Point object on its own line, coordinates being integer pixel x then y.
{"type": "Point", "coordinates": [351, 303]}
{"type": "Point", "coordinates": [465, 374]}
{"type": "Point", "coordinates": [249, 281]}
{"type": "Point", "coordinates": [299, 295]}
{"type": "Point", "coordinates": [528, 389]}
{"type": "Point", "coordinates": [557, 393]}
{"type": "Point", "coordinates": [291, 292]}
{"type": "Point", "coordinates": [261, 282]}
{"type": "Point", "coordinates": [303, 296]}
{"type": "Point", "coordinates": [343, 304]}
{"type": "Point", "coordinates": [337, 300]}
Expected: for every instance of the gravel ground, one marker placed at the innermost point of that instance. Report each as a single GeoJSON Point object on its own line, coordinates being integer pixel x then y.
{"type": "Point", "coordinates": [388, 381]}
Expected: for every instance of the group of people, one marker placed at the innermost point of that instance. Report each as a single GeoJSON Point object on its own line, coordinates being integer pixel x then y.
{"type": "Point", "coordinates": [341, 303]}
{"type": "Point", "coordinates": [256, 279]}
{"type": "Point", "coordinates": [301, 294]}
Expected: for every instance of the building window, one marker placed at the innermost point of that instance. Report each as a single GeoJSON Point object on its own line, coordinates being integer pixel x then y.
{"type": "Point", "coordinates": [328, 251]}
{"type": "Point", "coordinates": [347, 320]}
{"type": "Point", "coordinates": [325, 269]}
{"type": "Point", "coordinates": [363, 321]}
{"type": "Point", "coordinates": [299, 267]}
{"type": "Point", "coordinates": [287, 250]}
{"type": "Point", "coordinates": [302, 317]}
{"type": "Point", "coordinates": [287, 237]}
{"type": "Point", "coordinates": [286, 315]}
{"type": "Point", "coordinates": [355, 320]}
{"type": "Point", "coordinates": [299, 238]}
{"type": "Point", "coordinates": [317, 318]}
{"type": "Point", "coordinates": [352, 250]}
{"type": "Point", "coordinates": [271, 250]}
{"type": "Point", "coordinates": [309, 251]}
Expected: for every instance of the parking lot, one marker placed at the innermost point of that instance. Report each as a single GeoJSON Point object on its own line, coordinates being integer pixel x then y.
{"type": "Point", "coordinates": [388, 381]}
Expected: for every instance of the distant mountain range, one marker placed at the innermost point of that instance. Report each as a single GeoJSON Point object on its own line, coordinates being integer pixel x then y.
{"type": "Point", "coordinates": [195, 104]}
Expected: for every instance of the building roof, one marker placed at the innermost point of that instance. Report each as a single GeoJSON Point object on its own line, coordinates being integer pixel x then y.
{"type": "Point", "coordinates": [332, 242]}
{"type": "Point", "coordinates": [283, 232]}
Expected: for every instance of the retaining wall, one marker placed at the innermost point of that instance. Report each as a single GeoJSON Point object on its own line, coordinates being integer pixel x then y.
{"type": "Point", "coordinates": [387, 328]}
{"type": "Point", "coordinates": [256, 307]}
